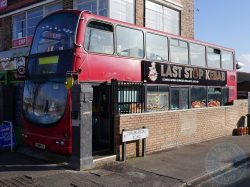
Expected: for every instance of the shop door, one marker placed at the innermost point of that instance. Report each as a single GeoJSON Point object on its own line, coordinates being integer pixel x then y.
{"type": "Point", "coordinates": [102, 122]}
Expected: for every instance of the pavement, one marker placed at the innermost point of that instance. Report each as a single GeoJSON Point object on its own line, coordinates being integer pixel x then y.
{"type": "Point", "coordinates": [188, 165]}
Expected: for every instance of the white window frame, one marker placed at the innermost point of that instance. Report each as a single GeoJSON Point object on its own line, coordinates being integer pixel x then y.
{"type": "Point", "coordinates": [26, 28]}
{"type": "Point", "coordinates": [133, 19]}
{"type": "Point", "coordinates": [75, 6]}
{"type": "Point", "coordinates": [43, 7]}
{"type": "Point", "coordinates": [164, 8]}
{"type": "Point", "coordinates": [27, 25]}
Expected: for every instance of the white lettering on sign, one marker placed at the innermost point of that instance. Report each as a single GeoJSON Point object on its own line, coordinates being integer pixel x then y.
{"type": "Point", "coordinates": [134, 135]}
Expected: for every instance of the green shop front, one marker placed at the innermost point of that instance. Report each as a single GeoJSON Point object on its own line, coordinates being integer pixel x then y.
{"type": "Point", "coordinates": [12, 74]}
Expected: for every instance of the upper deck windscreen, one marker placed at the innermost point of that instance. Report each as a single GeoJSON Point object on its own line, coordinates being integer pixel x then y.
{"type": "Point", "coordinates": [55, 33]}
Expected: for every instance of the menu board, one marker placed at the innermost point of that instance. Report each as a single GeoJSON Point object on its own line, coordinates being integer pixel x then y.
{"type": "Point", "coordinates": [5, 136]}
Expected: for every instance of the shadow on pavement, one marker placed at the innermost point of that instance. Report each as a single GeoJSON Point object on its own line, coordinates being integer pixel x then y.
{"type": "Point", "coordinates": [13, 161]}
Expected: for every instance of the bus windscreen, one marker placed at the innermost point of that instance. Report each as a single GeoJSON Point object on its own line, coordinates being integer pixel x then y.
{"type": "Point", "coordinates": [55, 33]}
{"type": "Point", "coordinates": [52, 47]}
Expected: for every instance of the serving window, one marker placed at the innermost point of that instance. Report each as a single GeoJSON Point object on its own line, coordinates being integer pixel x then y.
{"type": "Point", "coordinates": [224, 96]}
{"type": "Point", "coordinates": [164, 97]}
{"type": "Point", "coordinates": [214, 97]}
{"type": "Point", "coordinates": [157, 98]}
{"type": "Point", "coordinates": [198, 97]}
{"type": "Point", "coordinates": [179, 98]}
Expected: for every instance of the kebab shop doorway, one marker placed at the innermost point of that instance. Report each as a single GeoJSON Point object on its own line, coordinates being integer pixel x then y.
{"type": "Point", "coordinates": [102, 119]}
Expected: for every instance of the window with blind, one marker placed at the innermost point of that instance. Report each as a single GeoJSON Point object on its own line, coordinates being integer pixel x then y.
{"type": "Point", "coordinates": [162, 18]}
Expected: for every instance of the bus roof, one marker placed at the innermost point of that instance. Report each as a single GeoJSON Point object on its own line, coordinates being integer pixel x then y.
{"type": "Point", "coordinates": [89, 16]}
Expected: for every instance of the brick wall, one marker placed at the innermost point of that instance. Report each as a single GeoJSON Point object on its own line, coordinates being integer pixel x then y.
{"type": "Point", "coordinates": [6, 41]}
{"type": "Point", "coordinates": [169, 129]}
{"type": "Point", "coordinates": [139, 12]}
{"type": "Point", "coordinates": [187, 18]}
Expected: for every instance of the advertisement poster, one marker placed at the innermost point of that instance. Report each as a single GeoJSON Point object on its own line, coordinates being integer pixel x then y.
{"type": "Point", "coordinates": [12, 63]}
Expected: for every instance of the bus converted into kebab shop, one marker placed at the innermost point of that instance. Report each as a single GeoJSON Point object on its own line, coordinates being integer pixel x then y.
{"type": "Point", "coordinates": [125, 77]}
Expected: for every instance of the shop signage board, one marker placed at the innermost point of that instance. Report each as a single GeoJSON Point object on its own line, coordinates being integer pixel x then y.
{"type": "Point", "coordinates": [169, 73]}
{"type": "Point", "coordinates": [3, 4]}
{"type": "Point", "coordinates": [15, 63]}
{"type": "Point", "coordinates": [134, 135]}
{"type": "Point", "coordinates": [7, 136]}
{"type": "Point", "coordinates": [22, 41]}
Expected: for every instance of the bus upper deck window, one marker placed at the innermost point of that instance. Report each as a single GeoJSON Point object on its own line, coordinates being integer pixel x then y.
{"type": "Point", "coordinates": [54, 33]}
{"type": "Point", "coordinates": [213, 57]}
{"type": "Point", "coordinates": [129, 42]}
{"type": "Point", "coordinates": [227, 60]}
{"type": "Point", "coordinates": [178, 51]}
{"type": "Point", "coordinates": [99, 38]}
{"type": "Point", "coordinates": [156, 47]}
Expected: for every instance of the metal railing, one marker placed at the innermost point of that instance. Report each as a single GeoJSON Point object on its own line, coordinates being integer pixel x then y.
{"type": "Point", "coordinates": [128, 97]}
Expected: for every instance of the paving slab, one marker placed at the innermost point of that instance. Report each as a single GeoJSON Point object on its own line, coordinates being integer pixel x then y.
{"type": "Point", "coordinates": [188, 162]}
{"type": "Point", "coordinates": [173, 167]}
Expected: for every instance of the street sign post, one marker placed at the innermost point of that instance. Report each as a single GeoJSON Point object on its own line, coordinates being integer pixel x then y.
{"type": "Point", "coordinates": [133, 135]}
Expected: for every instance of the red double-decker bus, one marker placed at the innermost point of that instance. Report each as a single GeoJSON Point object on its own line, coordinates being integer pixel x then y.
{"type": "Point", "coordinates": [100, 49]}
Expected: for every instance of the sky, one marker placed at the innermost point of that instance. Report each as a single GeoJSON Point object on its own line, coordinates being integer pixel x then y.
{"type": "Point", "coordinates": [225, 23]}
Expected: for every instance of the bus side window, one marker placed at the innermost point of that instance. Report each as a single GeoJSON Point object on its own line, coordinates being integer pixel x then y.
{"type": "Point", "coordinates": [178, 51]}
{"type": "Point", "coordinates": [227, 61]}
{"type": "Point", "coordinates": [99, 38]}
{"type": "Point", "coordinates": [197, 54]}
{"type": "Point", "coordinates": [213, 57]}
{"type": "Point", "coordinates": [129, 42]}
{"type": "Point", "coordinates": [156, 47]}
